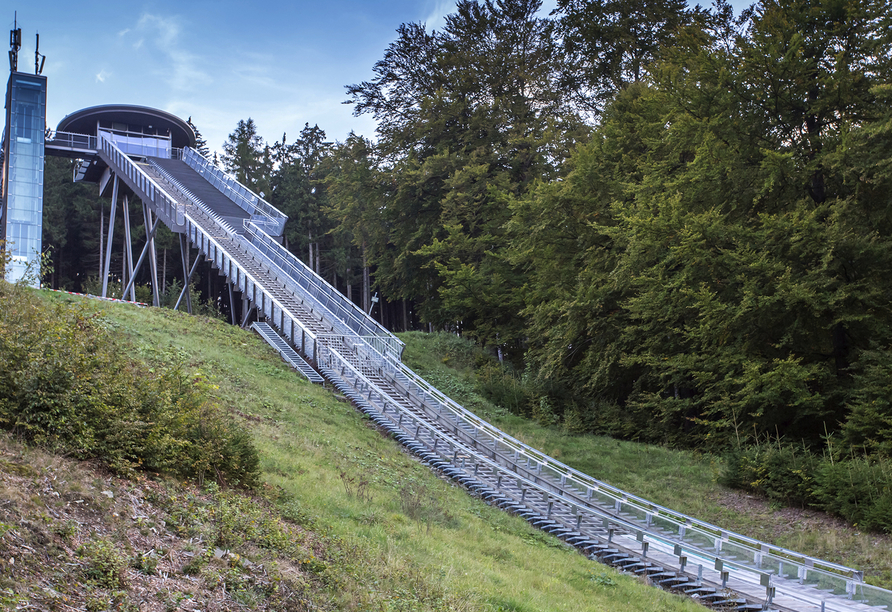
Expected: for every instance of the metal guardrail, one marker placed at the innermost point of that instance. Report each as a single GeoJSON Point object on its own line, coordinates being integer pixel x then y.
{"type": "Point", "coordinates": [193, 199]}
{"type": "Point", "coordinates": [725, 543]}
{"type": "Point", "coordinates": [262, 213]}
{"type": "Point", "coordinates": [293, 329]}
{"type": "Point", "coordinates": [778, 568]}
{"type": "Point", "coordinates": [73, 141]}
{"type": "Point", "coordinates": [171, 211]}
{"type": "Point", "coordinates": [341, 309]}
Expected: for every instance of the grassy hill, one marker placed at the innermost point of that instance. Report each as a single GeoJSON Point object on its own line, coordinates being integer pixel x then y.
{"type": "Point", "coordinates": [343, 519]}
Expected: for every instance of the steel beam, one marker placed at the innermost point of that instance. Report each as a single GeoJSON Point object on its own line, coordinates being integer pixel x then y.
{"type": "Point", "coordinates": [111, 234]}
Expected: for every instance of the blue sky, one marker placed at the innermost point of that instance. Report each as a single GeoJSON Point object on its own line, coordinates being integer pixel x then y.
{"type": "Point", "coordinates": [283, 64]}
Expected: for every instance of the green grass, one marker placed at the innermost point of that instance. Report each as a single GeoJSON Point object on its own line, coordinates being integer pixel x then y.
{"type": "Point", "coordinates": [682, 480]}
{"type": "Point", "coordinates": [399, 537]}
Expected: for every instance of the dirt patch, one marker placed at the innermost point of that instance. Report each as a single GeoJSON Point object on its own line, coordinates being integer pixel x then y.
{"type": "Point", "coordinates": [75, 537]}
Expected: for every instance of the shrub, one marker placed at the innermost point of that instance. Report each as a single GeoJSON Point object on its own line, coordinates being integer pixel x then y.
{"type": "Point", "coordinates": [781, 472]}
{"type": "Point", "coordinates": [504, 388]}
{"type": "Point", "coordinates": [67, 383]}
{"type": "Point", "coordinates": [859, 490]}
{"type": "Point", "coordinates": [106, 566]}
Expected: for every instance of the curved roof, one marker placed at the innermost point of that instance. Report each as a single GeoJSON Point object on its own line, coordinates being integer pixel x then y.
{"type": "Point", "coordinates": [84, 121]}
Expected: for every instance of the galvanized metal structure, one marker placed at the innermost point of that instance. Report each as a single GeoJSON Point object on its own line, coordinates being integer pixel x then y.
{"type": "Point", "coordinates": [325, 335]}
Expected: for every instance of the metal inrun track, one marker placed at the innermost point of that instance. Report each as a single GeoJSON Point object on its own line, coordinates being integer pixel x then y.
{"type": "Point", "coordinates": [362, 360]}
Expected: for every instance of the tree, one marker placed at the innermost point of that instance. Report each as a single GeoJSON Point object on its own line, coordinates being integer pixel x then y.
{"type": "Point", "coordinates": [201, 144]}
{"type": "Point", "coordinates": [247, 158]}
{"type": "Point", "coordinates": [71, 226]}
{"type": "Point", "coordinates": [297, 190]}
{"type": "Point", "coordinates": [354, 201]}
{"type": "Point", "coordinates": [609, 44]}
{"type": "Point", "coordinates": [732, 246]}
{"type": "Point", "coordinates": [468, 117]}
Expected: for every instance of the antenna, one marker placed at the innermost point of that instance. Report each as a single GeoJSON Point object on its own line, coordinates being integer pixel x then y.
{"type": "Point", "coordinates": [15, 43]}
{"type": "Point", "coordinates": [39, 58]}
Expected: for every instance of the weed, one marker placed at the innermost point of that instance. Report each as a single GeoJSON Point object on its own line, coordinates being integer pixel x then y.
{"type": "Point", "coordinates": [603, 579]}
{"type": "Point", "coordinates": [146, 562]}
{"type": "Point", "coordinates": [106, 565]}
{"type": "Point", "coordinates": [356, 486]}
{"type": "Point", "coordinates": [67, 529]}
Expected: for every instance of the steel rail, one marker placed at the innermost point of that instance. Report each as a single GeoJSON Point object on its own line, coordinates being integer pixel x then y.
{"type": "Point", "coordinates": [260, 210]}
{"type": "Point", "coordinates": [381, 339]}
{"type": "Point", "coordinates": [562, 505]}
{"type": "Point", "coordinates": [762, 554]}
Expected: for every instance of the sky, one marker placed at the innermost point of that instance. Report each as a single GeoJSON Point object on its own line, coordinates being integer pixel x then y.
{"type": "Point", "coordinates": [283, 64]}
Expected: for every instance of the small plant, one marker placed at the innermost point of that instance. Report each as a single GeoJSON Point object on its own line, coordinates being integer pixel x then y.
{"type": "Point", "coordinates": [197, 562]}
{"type": "Point", "coordinates": [66, 530]}
{"type": "Point", "coordinates": [603, 579]}
{"type": "Point", "coordinates": [356, 486]}
{"type": "Point", "coordinates": [106, 565]}
{"type": "Point", "coordinates": [146, 562]}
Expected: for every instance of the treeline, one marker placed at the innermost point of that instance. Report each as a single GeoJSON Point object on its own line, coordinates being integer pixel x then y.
{"type": "Point", "coordinates": [675, 221]}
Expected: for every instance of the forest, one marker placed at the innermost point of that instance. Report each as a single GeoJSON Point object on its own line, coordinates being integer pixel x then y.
{"type": "Point", "coordinates": [670, 223]}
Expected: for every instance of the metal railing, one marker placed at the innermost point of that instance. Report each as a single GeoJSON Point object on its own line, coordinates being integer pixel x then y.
{"type": "Point", "coordinates": [268, 305]}
{"type": "Point", "coordinates": [194, 200]}
{"type": "Point", "coordinates": [732, 547]}
{"type": "Point", "coordinates": [342, 309]}
{"type": "Point", "coordinates": [164, 204]}
{"type": "Point", "coordinates": [499, 458]}
{"type": "Point", "coordinates": [71, 140]}
{"type": "Point", "coordinates": [262, 213]}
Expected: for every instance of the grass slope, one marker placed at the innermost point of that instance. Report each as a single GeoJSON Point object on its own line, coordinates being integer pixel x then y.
{"type": "Point", "coordinates": [682, 480]}
{"type": "Point", "coordinates": [377, 530]}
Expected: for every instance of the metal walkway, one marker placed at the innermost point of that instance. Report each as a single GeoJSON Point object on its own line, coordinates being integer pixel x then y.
{"type": "Point", "coordinates": [363, 360]}
{"type": "Point", "coordinates": [290, 356]}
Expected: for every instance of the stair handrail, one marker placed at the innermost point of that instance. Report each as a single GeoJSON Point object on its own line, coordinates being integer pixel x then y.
{"type": "Point", "coordinates": [261, 211]}
{"type": "Point", "coordinates": [275, 304]}
{"type": "Point", "coordinates": [197, 202]}
{"type": "Point", "coordinates": [379, 338]}
{"type": "Point", "coordinates": [849, 586]}
{"type": "Point", "coordinates": [172, 209]}
{"type": "Point", "coordinates": [585, 481]}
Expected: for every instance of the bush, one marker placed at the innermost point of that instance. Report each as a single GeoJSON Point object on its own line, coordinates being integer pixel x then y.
{"type": "Point", "coordinates": [781, 472]}
{"type": "Point", "coordinates": [504, 388]}
{"type": "Point", "coordinates": [68, 384]}
{"type": "Point", "coordinates": [106, 566]}
{"type": "Point", "coordinates": [859, 490]}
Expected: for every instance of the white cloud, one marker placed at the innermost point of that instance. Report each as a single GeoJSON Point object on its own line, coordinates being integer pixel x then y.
{"type": "Point", "coordinates": [102, 75]}
{"type": "Point", "coordinates": [436, 19]}
{"type": "Point", "coordinates": [182, 70]}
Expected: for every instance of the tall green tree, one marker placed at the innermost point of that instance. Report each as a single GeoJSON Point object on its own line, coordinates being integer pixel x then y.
{"type": "Point", "coordinates": [201, 145]}
{"type": "Point", "coordinates": [354, 197]}
{"type": "Point", "coordinates": [297, 187]}
{"type": "Point", "coordinates": [468, 116]}
{"type": "Point", "coordinates": [730, 268]}
{"type": "Point", "coordinates": [71, 226]}
{"type": "Point", "coordinates": [247, 158]}
{"type": "Point", "coordinates": [609, 44]}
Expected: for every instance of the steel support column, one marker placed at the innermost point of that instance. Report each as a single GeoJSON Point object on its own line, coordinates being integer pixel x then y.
{"type": "Point", "coordinates": [128, 252]}
{"type": "Point", "coordinates": [151, 240]}
{"type": "Point", "coordinates": [111, 233]}
{"type": "Point", "coordinates": [232, 316]}
{"type": "Point", "coordinates": [153, 254]}
{"type": "Point", "coordinates": [187, 273]}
